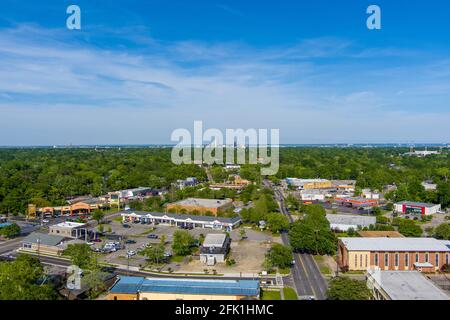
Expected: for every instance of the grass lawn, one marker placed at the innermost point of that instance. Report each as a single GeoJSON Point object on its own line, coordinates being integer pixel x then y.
{"type": "Point", "coordinates": [325, 269]}
{"type": "Point", "coordinates": [177, 259]}
{"type": "Point", "coordinates": [117, 219]}
{"type": "Point", "coordinates": [289, 294]}
{"type": "Point", "coordinates": [270, 295]}
{"type": "Point", "coordinates": [318, 258]}
{"type": "Point", "coordinates": [284, 270]}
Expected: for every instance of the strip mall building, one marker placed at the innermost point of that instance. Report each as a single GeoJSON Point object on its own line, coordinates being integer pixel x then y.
{"type": "Point", "coordinates": [181, 220]}
{"type": "Point", "coordinates": [422, 254]}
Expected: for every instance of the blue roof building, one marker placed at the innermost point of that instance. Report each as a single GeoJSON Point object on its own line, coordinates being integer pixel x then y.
{"type": "Point", "coordinates": [184, 288]}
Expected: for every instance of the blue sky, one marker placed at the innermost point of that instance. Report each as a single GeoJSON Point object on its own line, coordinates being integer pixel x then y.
{"type": "Point", "coordinates": [140, 69]}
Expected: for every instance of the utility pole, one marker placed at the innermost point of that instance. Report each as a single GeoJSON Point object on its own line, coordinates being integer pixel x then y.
{"type": "Point", "coordinates": [39, 247]}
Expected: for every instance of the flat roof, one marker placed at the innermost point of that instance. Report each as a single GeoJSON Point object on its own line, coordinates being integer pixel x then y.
{"type": "Point", "coordinates": [395, 244]}
{"type": "Point", "coordinates": [418, 204]}
{"type": "Point", "coordinates": [207, 203]}
{"type": "Point", "coordinates": [380, 234]}
{"type": "Point", "coordinates": [185, 216]}
{"type": "Point", "coordinates": [43, 238]}
{"type": "Point", "coordinates": [364, 221]}
{"type": "Point", "coordinates": [186, 286]}
{"type": "Point", "coordinates": [299, 180]}
{"type": "Point", "coordinates": [214, 240]}
{"type": "Point", "coordinates": [408, 285]}
{"type": "Point", "coordinates": [69, 224]}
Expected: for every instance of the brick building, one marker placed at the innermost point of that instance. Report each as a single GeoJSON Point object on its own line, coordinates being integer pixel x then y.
{"type": "Point", "coordinates": [422, 254]}
{"type": "Point", "coordinates": [200, 206]}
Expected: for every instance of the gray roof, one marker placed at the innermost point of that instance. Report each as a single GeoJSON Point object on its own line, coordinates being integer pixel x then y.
{"type": "Point", "coordinates": [186, 216]}
{"type": "Point", "coordinates": [45, 239]}
{"type": "Point", "coordinates": [214, 240]}
{"type": "Point", "coordinates": [207, 203]}
{"type": "Point", "coordinates": [396, 244]}
{"type": "Point", "coordinates": [408, 285]}
{"type": "Point", "coordinates": [363, 221]}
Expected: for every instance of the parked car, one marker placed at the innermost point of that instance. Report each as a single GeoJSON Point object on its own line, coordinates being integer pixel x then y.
{"type": "Point", "coordinates": [131, 253]}
{"type": "Point", "coordinates": [126, 226]}
{"type": "Point", "coordinates": [130, 241]}
{"type": "Point", "coordinates": [152, 236]}
{"type": "Point", "coordinates": [167, 254]}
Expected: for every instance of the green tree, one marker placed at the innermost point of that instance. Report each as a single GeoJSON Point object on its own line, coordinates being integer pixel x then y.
{"type": "Point", "coordinates": [22, 279]}
{"type": "Point", "coordinates": [98, 216]}
{"type": "Point", "coordinates": [242, 233]}
{"type": "Point", "coordinates": [182, 243]}
{"type": "Point", "coordinates": [279, 256]}
{"type": "Point", "coordinates": [10, 231]}
{"type": "Point", "coordinates": [154, 254]}
{"type": "Point", "coordinates": [277, 222]}
{"type": "Point", "coordinates": [92, 278]}
{"type": "Point", "coordinates": [313, 234]}
{"type": "Point", "coordinates": [81, 255]}
{"type": "Point", "coordinates": [409, 228]}
{"type": "Point", "coordinates": [442, 231]}
{"type": "Point", "coordinates": [443, 194]}
{"type": "Point", "coordinates": [348, 289]}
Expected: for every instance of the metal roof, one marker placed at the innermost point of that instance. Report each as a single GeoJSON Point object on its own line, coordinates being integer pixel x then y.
{"type": "Point", "coordinates": [69, 224]}
{"type": "Point", "coordinates": [363, 221]}
{"type": "Point", "coordinates": [207, 203]}
{"type": "Point", "coordinates": [186, 286]}
{"type": "Point", "coordinates": [408, 285]}
{"type": "Point", "coordinates": [395, 244]}
{"type": "Point", "coordinates": [43, 238]}
{"type": "Point", "coordinates": [214, 240]}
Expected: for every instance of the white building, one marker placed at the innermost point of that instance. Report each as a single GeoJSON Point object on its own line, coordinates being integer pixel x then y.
{"type": "Point", "coordinates": [214, 249]}
{"type": "Point", "coordinates": [308, 195]}
{"type": "Point", "coordinates": [343, 222]}
{"type": "Point", "coordinates": [369, 194]}
{"type": "Point", "coordinates": [408, 207]}
{"type": "Point", "coordinates": [429, 186]}
{"type": "Point", "coordinates": [69, 229]}
{"type": "Point", "coordinates": [403, 285]}
{"type": "Point", "coordinates": [181, 220]}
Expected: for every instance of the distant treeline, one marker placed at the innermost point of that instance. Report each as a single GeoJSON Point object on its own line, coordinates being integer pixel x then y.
{"type": "Point", "coordinates": [49, 176]}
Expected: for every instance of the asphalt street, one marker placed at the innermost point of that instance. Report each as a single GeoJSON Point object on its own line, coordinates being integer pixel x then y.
{"type": "Point", "coordinates": [305, 273]}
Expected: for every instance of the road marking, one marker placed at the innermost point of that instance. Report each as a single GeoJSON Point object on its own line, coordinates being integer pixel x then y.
{"type": "Point", "coordinates": [307, 275]}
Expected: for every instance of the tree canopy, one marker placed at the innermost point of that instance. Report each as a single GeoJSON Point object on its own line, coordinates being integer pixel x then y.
{"type": "Point", "coordinates": [279, 256]}
{"type": "Point", "coordinates": [22, 279]}
{"type": "Point", "coordinates": [312, 233]}
{"type": "Point", "coordinates": [343, 288]}
{"type": "Point", "coordinates": [182, 243]}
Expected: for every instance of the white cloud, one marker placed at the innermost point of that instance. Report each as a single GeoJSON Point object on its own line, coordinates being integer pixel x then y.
{"type": "Point", "coordinates": [319, 90]}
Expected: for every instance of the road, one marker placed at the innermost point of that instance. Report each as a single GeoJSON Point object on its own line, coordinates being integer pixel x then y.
{"type": "Point", "coordinates": [306, 275]}
{"type": "Point", "coordinates": [12, 245]}
{"type": "Point", "coordinates": [64, 263]}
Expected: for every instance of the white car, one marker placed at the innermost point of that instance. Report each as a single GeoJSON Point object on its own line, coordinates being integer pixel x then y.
{"type": "Point", "coordinates": [45, 221]}
{"type": "Point", "coordinates": [131, 253]}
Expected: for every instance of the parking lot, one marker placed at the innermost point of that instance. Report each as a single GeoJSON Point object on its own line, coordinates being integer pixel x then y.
{"type": "Point", "coordinates": [248, 254]}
